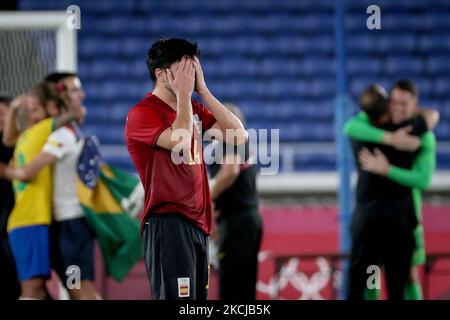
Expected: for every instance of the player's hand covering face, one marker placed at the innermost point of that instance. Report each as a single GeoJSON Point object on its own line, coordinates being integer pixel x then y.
{"type": "Point", "coordinates": [200, 84]}
{"type": "Point", "coordinates": [375, 162]}
{"type": "Point", "coordinates": [181, 78]}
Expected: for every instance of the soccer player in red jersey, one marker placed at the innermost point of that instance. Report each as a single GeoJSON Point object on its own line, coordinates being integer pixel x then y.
{"type": "Point", "coordinates": [165, 124]}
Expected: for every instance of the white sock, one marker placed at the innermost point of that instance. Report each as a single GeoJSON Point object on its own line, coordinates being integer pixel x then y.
{"type": "Point", "coordinates": [26, 298]}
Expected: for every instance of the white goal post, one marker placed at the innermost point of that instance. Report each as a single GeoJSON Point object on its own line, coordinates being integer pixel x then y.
{"type": "Point", "coordinates": [33, 44]}
{"type": "Point", "coordinates": [66, 39]}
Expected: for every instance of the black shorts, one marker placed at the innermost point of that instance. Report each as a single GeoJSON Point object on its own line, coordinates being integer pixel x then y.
{"type": "Point", "coordinates": [176, 258]}
{"type": "Point", "coordinates": [72, 244]}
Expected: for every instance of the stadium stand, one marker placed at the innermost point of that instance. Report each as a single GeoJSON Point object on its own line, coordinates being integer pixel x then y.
{"type": "Point", "coordinates": [275, 59]}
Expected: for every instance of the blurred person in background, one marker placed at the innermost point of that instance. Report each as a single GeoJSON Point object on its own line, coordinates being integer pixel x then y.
{"type": "Point", "coordinates": [239, 225]}
{"type": "Point", "coordinates": [9, 284]}
{"type": "Point", "coordinates": [72, 240]}
{"type": "Point", "coordinates": [380, 198]}
{"type": "Point", "coordinates": [403, 106]}
{"type": "Point", "coordinates": [28, 224]}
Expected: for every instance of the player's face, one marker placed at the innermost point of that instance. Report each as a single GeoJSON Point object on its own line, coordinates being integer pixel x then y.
{"type": "Point", "coordinates": [402, 105]}
{"type": "Point", "coordinates": [36, 110]}
{"type": "Point", "coordinates": [74, 91]}
{"type": "Point", "coordinates": [3, 110]}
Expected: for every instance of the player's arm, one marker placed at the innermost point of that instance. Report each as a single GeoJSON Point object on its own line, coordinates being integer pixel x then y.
{"type": "Point", "coordinates": [10, 131]}
{"type": "Point", "coordinates": [225, 119]}
{"type": "Point", "coordinates": [423, 166]}
{"type": "Point", "coordinates": [226, 176]}
{"type": "Point", "coordinates": [182, 84]}
{"type": "Point", "coordinates": [419, 176]}
{"type": "Point", "coordinates": [29, 171]}
{"type": "Point", "coordinates": [74, 113]}
{"type": "Point", "coordinates": [359, 128]}
{"type": "Point", "coordinates": [430, 116]}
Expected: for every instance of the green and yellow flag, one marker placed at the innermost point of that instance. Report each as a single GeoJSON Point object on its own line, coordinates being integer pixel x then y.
{"type": "Point", "coordinates": [109, 209]}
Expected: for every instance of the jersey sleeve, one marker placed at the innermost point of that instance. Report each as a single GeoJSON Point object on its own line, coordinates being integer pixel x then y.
{"type": "Point", "coordinates": [204, 114]}
{"type": "Point", "coordinates": [419, 176]}
{"type": "Point", "coordinates": [359, 128]}
{"type": "Point", "coordinates": [145, 125]}
{"type": "Point", "coordinates": [58, 143]}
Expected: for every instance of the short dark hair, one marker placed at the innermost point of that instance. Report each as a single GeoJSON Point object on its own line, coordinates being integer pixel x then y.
{"type": "Point", "coordinates": [374, 101]}
{"type": "Point", "coordinates": [5, 99]}
{"type": "Point", "coordinates": [56, 77]}
{"type": "Point", "coordinates": [165, 52]}
{"type": "Point", "coordinates": [406, 85]}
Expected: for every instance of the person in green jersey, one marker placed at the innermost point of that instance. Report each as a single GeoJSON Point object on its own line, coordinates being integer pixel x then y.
{"type": "Point", "coordinates": [402, 106]}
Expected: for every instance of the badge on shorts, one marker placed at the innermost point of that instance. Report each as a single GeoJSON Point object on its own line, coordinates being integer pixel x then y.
{"type": "Point", "coordinates": [183, 287]}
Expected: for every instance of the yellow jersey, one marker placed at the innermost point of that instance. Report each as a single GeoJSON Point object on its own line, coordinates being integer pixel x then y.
{"type": "Point", "coordinates": [33, 198]}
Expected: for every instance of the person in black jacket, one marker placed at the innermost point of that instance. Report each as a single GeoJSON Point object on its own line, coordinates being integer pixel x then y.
{"type": "Point", "coordinates": [9, 285]}
{"type": "Point", "coordinates": [239, 225]}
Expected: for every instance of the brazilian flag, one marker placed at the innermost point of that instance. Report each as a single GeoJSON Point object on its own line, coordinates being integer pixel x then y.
{"type": "Point", "coordinates": [110, 204]}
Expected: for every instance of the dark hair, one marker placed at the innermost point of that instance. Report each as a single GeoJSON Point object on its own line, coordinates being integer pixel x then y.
{"type": "Point", "coordinates": [46, 91]}
{"type": "Point", "coordinates": [406, 85]}
{"type": "Point", "coordinates": [373, 101]}
{"type": "Point", "coordinates": [56, 77]}
{"type": "Point", "coordinates": [165, 52]}
{"type": "Point", "coordinates": [5, 99]}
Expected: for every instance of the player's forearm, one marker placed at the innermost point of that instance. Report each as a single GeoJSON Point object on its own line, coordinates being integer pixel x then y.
{"type": "Point", "coordinates": [360, 130]}
{"type": "Point", "coordinates": [222, 182]}
{"type": "Point", "coordinates": [422, 169]}
{"type": "Point", "coordinates": [182, 125]}
{"type": "Point", "coordinates": [431, 117]}
{"type": "Point", "coordinates": [409, 178]}
{"type": "Point", "coordinates": [10, 131]}
{"type": "Point", "coordinates": [12, 173]}
{"type": "Point", "coordinates": [65, 119]}
{"type": "Point", "coordinates": [225, 118]}
{"type": "Point", "coordinates": [183, 119]}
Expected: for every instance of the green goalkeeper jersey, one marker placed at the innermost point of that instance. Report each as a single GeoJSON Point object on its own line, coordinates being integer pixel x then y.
{"type": "Point", "coordinates": [419, 176]}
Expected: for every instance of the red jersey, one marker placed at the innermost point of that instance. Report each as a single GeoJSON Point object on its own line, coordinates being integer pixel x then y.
{"type": "Point", "coordinates": [169, 187]}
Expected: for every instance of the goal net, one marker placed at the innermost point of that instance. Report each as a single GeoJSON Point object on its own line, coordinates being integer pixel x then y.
{"type": "Point", "coordinates": [33, 44]}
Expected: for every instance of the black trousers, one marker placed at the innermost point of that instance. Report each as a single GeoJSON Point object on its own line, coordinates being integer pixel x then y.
{"type": "Point", "coordinates": [176, 258]}
{"type": "Point", "coordinates": [383, 243]}
{"type": "Point", "coordinates": [239, 242]}
{"type": "Point", "coordinates": [9, 284]}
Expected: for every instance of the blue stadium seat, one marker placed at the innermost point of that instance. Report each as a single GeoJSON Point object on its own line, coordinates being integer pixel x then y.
{"type": "Point", "coordinates": [315, 162]}
{"type": "Point", "coordinates": [407, 22]}
{"type": "Point", "coordinates": [436, 43]}
{"type": "Point", "coordinates": [442, 131]}
{"type": "Point", "coordinates": [403, 66]}
{"type": "Point", "coordinates": [107, 134]}
{"type": "Point", "coordinates": [363, 65]}
{"type": "Point", "coordinates": [438, 65]}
